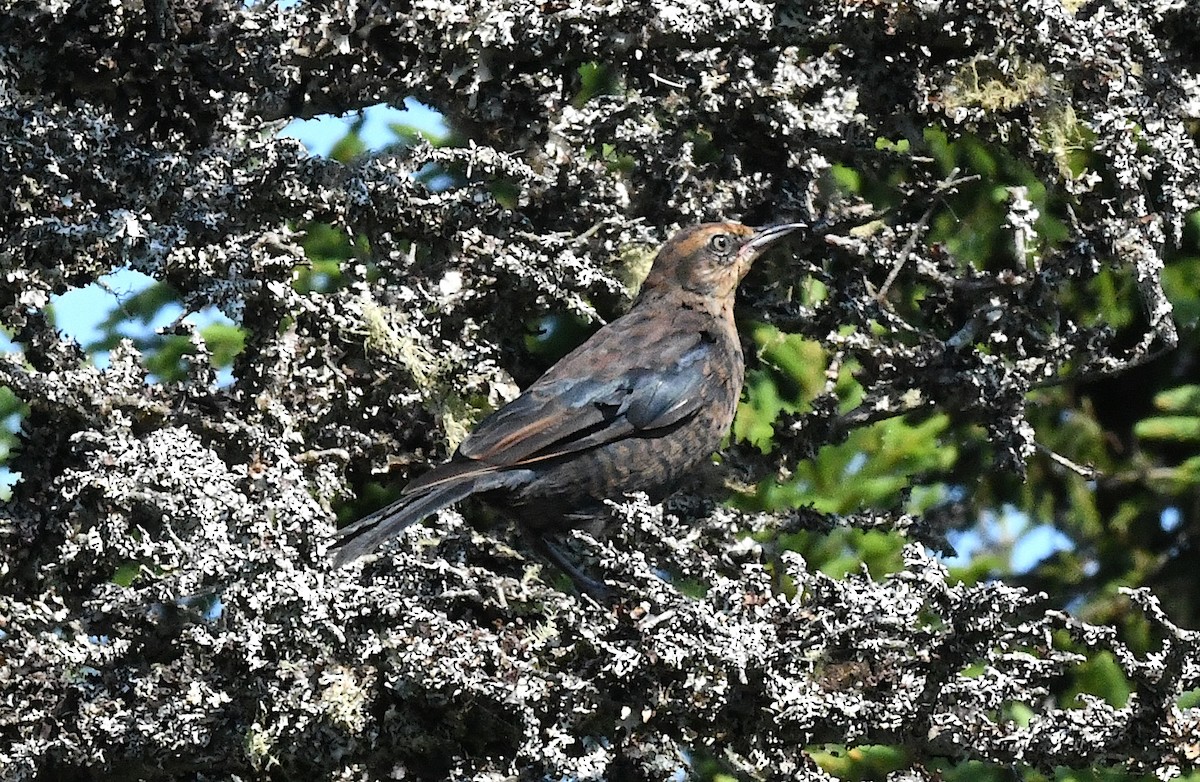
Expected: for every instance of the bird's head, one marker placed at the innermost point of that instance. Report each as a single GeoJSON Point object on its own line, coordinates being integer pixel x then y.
{"type": "Point", "coordinates": [710, 259]}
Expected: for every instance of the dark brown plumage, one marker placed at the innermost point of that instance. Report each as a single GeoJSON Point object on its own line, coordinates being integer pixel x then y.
{"type": "Point", "coordinates": [634, 408]}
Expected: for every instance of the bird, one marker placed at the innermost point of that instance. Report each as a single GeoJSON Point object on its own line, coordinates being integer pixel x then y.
{"type": "Point", "coordinates": [634, 408]}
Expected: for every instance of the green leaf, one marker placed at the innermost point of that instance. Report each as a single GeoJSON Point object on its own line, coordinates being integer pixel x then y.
{"type": "Point", "coordinates": [1181, 399]}
{"type": "Point", "coordinates": [11, 404]}
{"type": "Point", "coordinates": [595, 78]}
{"type": "Point", "coordinates": [165, 362]}
{"type": "Point", "coordinates": [126, 574]}
{"type": "Point", "coordinates": [860, 763]}
{"type": "Point", "coordinates": [507, 194]}
{"type": "Point", "coordinates": [846, 178]}
{"type": "Point", "coordinates": [349, 147]}
{"type": "Point", "coordinates": [1179, 428]}
{"type": "Point", "coordinates": [1101, 676]}
{"type": "Point", "coordinates": [410, 135]}
{"type": "Point", "coordinates": [225, 341]}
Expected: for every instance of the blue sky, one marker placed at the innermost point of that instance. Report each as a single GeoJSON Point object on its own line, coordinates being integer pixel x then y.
{"type": "Point", "coordinates": [321, 133]}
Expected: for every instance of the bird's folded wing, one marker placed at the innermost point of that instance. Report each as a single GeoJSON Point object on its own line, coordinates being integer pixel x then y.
{"type": "Point", "coordinates": [564, 412]}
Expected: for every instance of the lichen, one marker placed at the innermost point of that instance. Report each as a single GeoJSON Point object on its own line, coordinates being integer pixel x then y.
{"type": "Point", "coordinates": [166, 604]}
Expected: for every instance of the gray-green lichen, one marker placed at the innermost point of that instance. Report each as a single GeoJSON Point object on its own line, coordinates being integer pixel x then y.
{"type": "Point", "coordinates": [166, 609]}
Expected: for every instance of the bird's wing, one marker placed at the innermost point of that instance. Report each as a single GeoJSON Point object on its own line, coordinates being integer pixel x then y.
{"type": "Point", "coordinates": [587, 400]}
{"type": "Point", "coordinates": [569, 411]}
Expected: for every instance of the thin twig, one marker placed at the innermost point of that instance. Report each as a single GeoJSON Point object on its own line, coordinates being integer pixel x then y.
{"type": "Point", "coordinates": [946, 185]}
{"type": "Point", "coordinates": [871, 412]}
{"type": "Point", "coordinates": [668, 82]}
{"type": "Point", "coordinates": [1087, 374]}
{"type": "Point", "coordinates": [1084, 471]}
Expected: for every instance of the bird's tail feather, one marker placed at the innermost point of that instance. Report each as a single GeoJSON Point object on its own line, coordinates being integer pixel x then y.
{"type": "Point", "coordinates": [365, 535]}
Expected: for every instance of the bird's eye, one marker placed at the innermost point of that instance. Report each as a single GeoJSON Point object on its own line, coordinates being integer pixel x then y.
{"type": "Point", "coordinates": [720, 244]}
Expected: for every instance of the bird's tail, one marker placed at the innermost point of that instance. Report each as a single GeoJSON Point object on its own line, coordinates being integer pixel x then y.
{"type": "Point", "coordinates": [365, 535]}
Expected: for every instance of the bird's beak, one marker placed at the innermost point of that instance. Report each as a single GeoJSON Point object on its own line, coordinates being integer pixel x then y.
{"type": "Point", "coordinates": [768, 235]}
{"type": "Point", "coordinates": [761, 239]}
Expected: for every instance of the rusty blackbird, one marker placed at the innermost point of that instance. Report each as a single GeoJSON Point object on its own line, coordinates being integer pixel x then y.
{"type": "Point", "coordinates": [634, 408]}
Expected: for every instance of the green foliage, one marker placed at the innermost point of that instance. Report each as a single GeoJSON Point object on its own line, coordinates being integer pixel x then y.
{"type": "Point", "coordinates": [595, 78]}
{"type": "Point", "coordinates": [1100, 775]}
{"type": "Point", "coordinates": [704, 149]}
{"type": "Point", "coordinates": [1181, 278]}
{"type": "Point", "coordinates": [907, 463]}
{"type": "Point", "coordinates": [1139, 432]}
{"type": "Point", "coordinates": [840, 479]}
{"type": "Point", "coordinates": [12, 410]}
{"type": "Point", "coordinates": [225, 341]}
{"type": "Point", "coordinates": [974, 771]}
{"type": "Point", "coordinates": [326, 251]}
{"type": "Point", "coordinates": [1182, 428]}
{"type": "Point", "coordinates": [1100, 675]}
{"type": "Point", "coordinates": [350, 146]}
{"type": "Point", "coordinates": [615, 160]}
{"type": "Point", "coordinates": [879, 467]}
{"type": "Point", "coordinates": [971, 224]}
{"type": "Point", "coordinates": [791, 374]}
{"type": "Point", "coordinates": [126, 574]}
{"type": "Point", "coordinates": [1182, 403]}
{"type": "Point", "coordinates": [855, 764]}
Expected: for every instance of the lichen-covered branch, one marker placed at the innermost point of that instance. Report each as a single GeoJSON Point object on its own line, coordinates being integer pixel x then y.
{"type": "Point", "coordinates": [166, 609]}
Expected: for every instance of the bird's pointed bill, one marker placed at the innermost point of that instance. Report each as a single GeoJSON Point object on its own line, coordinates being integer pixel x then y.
{"type": "Point", "coordinates": [765, 236]}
